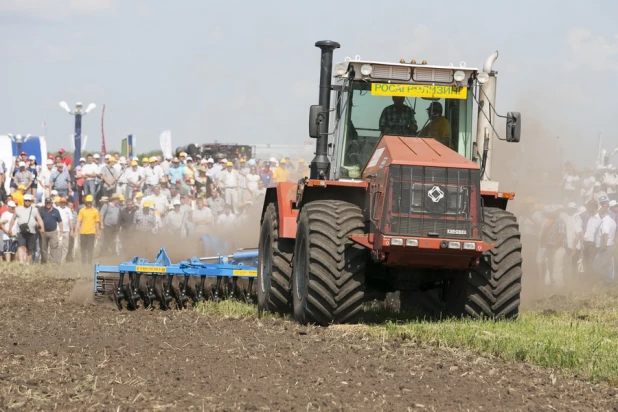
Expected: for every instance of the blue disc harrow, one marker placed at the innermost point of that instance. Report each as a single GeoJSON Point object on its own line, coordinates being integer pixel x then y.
{"type": "Point", "coordinates": [165, 284]}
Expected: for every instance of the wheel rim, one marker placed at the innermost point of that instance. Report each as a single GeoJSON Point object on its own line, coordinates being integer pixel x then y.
{"type": "Point", "coordinates": [265, 263]}
{"type": "Point", "coordinates": [300, 270]}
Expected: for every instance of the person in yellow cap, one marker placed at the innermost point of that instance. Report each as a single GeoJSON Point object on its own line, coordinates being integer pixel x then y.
{"type": "Point", "coordinates": [88, 225]}
{"type": "Point", "coordinates": [229, 182]}
{"type": "Point", "coordinates": [109, 177]}
{"type": "Point", "coordinates": [281, 173]}
{"type": "Point", "coordinates": [18, 195]}
{"type": "Point", "coordinates": [135, 178]}
{"type": "Point", "coordinates": [137, 199]}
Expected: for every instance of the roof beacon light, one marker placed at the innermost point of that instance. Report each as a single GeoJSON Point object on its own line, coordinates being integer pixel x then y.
{"type": "Point", "coordinates": [412, 61]}
{"type": "Point", "coordinates": [482, 77]}
{"type": "Point", "coordinates": [366, 69]}
{"type": "Point", "coordinates": [459, 76]}
{"type": "Point", "coordinates": [424, 62]}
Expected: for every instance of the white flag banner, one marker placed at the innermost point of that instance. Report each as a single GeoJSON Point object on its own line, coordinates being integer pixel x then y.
{"type": "Point", "coordinates": [166, 142]}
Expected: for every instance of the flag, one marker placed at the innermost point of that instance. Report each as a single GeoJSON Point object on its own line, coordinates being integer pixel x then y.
{"type": "Point", "coordinates": [44, 124]}
{"type": "Point", "coordinates": [124, 147]}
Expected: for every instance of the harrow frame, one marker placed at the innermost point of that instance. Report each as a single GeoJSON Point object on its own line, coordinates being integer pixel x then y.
{"type": "Point", "coordinates": [242, 264]}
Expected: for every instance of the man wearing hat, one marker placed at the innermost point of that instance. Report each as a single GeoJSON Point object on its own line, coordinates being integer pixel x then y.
{"type": "Point", "coordinates": [65, 159]}
{"type": "Point", "coordinates": [281, 173]}
{"type": "Point", "coordinates": [137, 199]}
{"type": "Point", "coordinates": [88, 222]}
{"type": "Point", "coordinates": [9, 233]}
{"type": "Point", "coordinates": [229, 181]}
{"type": "Point", "coordinates": [52, 235]}
{"type": "Point", "coordinates": [44, 174]}
{"type": "Point", "coordinates": [121, 170]}
{"type": "Point", "coordinates": [109, 177]}
{"type": "Point", "coordinates": [135, 178]}
{"type": "Point", "coordinates": [60, 180]}
{"type": "Point", "coordinates": [438, 127]}
{"type": "Point", "coordinates": [152, 174]}
{"type": "Point", "coordinates": [68, 226]}
{"type": "Point", "coordinates": [175, 172]}
{"type": "Point", "coordinates": [23, 176]}
{"type": "Point", "coordinates": [110, 218]}
{"type": "Point", "coordinates": [27, 219]}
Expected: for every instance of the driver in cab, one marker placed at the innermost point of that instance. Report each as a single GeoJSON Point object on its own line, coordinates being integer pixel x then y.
{"type": "Point", "coordinates": [398, 118]}
{"type": "Point", "coordinates": [438, 127]}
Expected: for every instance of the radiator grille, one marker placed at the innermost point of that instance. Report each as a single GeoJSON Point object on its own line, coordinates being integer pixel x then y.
{"type": "Point", "coordinates": [432, 202]}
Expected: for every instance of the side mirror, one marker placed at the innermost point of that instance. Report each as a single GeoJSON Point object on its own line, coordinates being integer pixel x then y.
{"type": "Point", "coordinates": [315, 118]}
{"type": "Point", "coordinates": [513, 127]}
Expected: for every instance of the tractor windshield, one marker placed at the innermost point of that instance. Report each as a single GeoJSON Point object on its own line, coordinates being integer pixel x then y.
{"type": "Point", "coordinates": [370, 115]}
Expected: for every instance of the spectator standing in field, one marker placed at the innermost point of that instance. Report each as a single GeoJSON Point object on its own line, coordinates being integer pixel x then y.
{"type": "Point", "coordinates": [252, 179]}
{"type": "Point", "coordinates": [87, 227]}
{"type": "Point", "coordinates": [145, 219]}
{"type": "Point", "coordinates": [90, 171]}
{"type": "Point", "coordinates": [281, 173]}
{"type": "Point", "coordinates": [33, 167]}
{"type": "Point", "coordinates": [175, 172]}
{"type": "Point", "coordinates": [60, 180]}
{"type": "Point", "coordinates": [52, 236]}
{"type": "Point", "coordinates": [68, 227]}
{"type": "Point", "coordinates": [65, 159]}
{"type": "Point", "coordinates": [229, 180]}
{"type": "Point", "coordinates": [27, 219]}
{"type": "Point", "coordinates": [127, 216]}
{"type": "Point", "coordinates": [23, 177]}
{"type": "Point", "coordinates": [202, 217]}
{"type": "Point", "coordinates": [110, 219]}
{"type": "Point", "coordinates": [135, 178]}
{"type": "Point", "coordinates": [9, 233]}
{"type": "Point", "coordinates": [267, 175]}
{"type": "Point", "coordinates": [604, 241]}
{"type": "Point", "coordinates": [109, 177]}
{"type": "Point", "coordinates": [176, 220]}
{"type": "Point", "coordinates": [216, 203]}
{"type": "Point", "coordinates": [121, 183]}
{"type": "Point", "coordinates": [43, 177]}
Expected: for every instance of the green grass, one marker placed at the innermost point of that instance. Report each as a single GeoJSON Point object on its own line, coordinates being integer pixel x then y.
{"type": "Point", "coordinates": [577, 335]}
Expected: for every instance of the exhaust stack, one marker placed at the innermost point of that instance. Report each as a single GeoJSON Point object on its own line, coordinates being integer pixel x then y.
{"type": "Point", "coordinates": [320, 164]}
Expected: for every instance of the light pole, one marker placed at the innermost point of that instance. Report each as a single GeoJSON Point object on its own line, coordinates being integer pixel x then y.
{"type": "Point", "coordinates": [78, 112]}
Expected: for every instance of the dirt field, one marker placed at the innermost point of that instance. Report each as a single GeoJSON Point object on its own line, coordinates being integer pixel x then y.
{"type": "Point", "coordinates": [56, 354]}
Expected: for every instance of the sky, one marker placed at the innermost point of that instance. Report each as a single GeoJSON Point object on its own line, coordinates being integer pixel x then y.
{"type": "Point", "coordinates": [246, 72]}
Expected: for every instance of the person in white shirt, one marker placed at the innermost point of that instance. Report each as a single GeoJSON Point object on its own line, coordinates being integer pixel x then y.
{"type": "Point", "coordinates": [68, 227]}
{"type": "Point", "coordinates": [9, 234]}
{"type": "Point", "coordinates": [152, 175]}
{"type": "Point", "coordinates": [570, 180]}
{"type": "Point", "coordinates": [44, 175]}
{"type": "Point", "coordinates": [121, 184]}
{"type": "Point", "coordinates": [135, 178]}
{"type": "Point", "coordinates": [161, 202]}
{"type": "Point", "coordinates": [90, 172]}
{"type": "Point", "coordinates": [202, 217]}
{"type": "Point", "coordinates": [227, 218]}
{"type": "Point", "coordinates": [229, 181]}
{"type": "Point", "coordinates": [604, 241]}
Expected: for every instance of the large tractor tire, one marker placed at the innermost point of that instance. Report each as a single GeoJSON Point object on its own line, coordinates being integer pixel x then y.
{"type": "Point", "coordinates": [328, 279]}
{"type": "Point", "coordinates": [492, 289]}
{"type": "Point", "coordinates": [274, 265]}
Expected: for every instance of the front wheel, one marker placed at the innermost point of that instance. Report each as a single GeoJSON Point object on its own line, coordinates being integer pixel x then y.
{"type": "Point", "coordinates": [328, 277]}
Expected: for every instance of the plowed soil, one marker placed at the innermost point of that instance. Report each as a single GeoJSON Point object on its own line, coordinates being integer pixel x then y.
{"type": "Point", "coordinates": [57, 354]}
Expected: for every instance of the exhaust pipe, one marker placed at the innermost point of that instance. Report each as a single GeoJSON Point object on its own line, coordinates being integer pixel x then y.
{"type": "Point", "coordinates": [320, 164]}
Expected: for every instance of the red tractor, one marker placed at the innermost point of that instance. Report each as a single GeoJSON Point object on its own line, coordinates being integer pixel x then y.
{"type": "Point", "coordinates": [402, 199]}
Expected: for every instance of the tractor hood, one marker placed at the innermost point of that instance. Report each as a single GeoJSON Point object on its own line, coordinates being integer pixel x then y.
{"type": "Point", "coordinates": [414, 151]}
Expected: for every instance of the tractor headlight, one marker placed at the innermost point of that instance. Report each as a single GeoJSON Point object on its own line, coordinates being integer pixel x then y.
{"type": "Point", "coordinates": [482, 77]}
{"type": "Point", "coordinates": [366, 69]}
{"type": "Point", "coordinates": [396, 241]}
{"type": "Point", "coordinates": [459, 76]}
{"type": "Point", "coordinates": [412, 242]}
{"type": "Point", "coordinates": [454, 245]}
{"type": "Point", "coordinates": [469, 246]}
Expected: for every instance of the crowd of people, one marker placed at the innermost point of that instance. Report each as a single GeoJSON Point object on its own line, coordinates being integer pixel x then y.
{"type": "Point", "coordinates": [52, 210]}
{"type": "Point", "coordinates": [576, 240]}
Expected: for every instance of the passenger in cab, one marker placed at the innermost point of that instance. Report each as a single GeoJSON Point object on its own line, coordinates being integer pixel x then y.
{"type": "Point", "coordinates": [398, 118]}
{"type": "Point", "coordinates": [438, 126]}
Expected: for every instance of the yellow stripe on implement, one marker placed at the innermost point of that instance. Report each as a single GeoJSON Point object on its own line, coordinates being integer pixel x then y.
{"type": "Point", "coordinates": [417, 90]}
{"type": "Point", "coordinates": [150, 269]}
{"type": "Point", "coordinates": [247, 273]}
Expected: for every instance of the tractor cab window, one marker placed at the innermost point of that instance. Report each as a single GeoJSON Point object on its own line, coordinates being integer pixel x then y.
{"type": "Point", "coordinates": [370, 116]}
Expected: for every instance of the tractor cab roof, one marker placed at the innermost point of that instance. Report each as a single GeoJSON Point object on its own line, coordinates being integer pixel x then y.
{"type": "Point", "coordinates": [374, 71]}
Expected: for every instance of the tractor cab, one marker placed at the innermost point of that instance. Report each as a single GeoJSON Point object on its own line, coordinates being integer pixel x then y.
{"type": "Point", "coordinates": [374, 99]}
